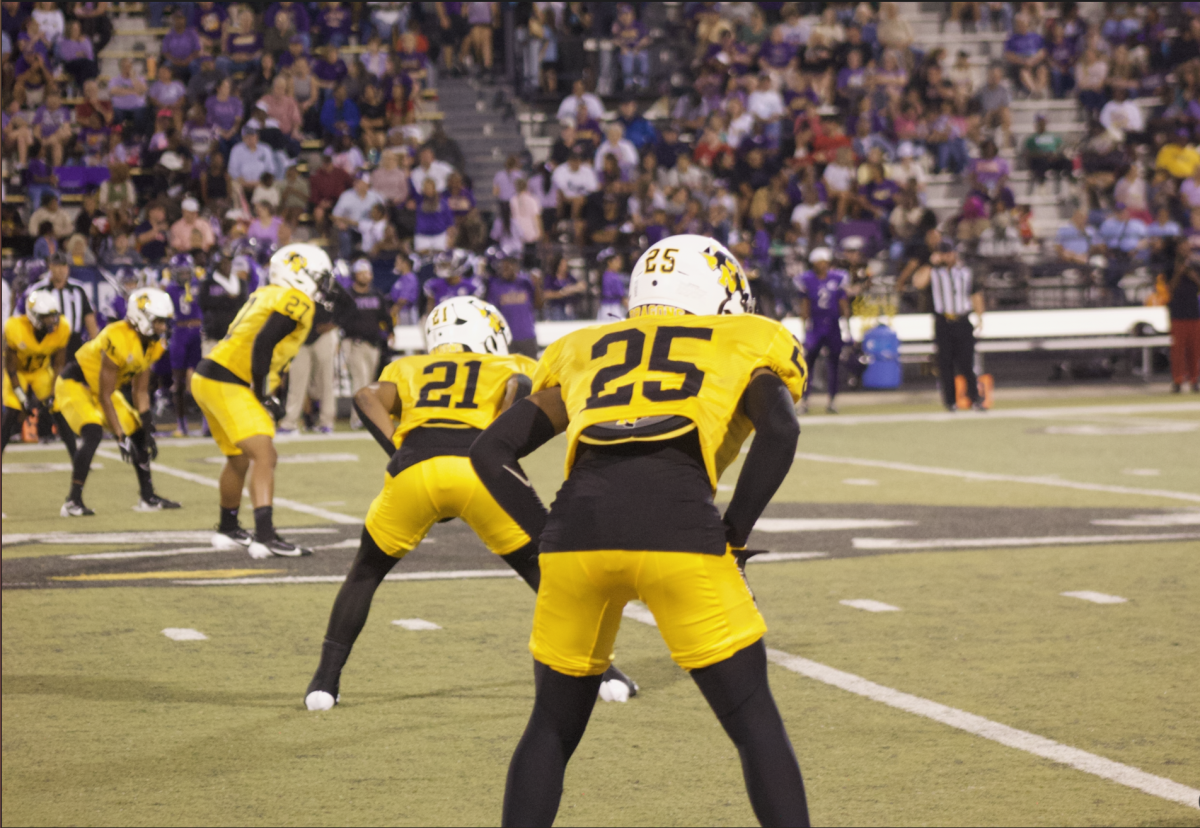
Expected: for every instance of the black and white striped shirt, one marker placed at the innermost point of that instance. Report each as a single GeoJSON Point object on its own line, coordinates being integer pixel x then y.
{"type": "Point", "coordinates": [74, 303]}
{"type": "Point", "coordinates": [952, 288]}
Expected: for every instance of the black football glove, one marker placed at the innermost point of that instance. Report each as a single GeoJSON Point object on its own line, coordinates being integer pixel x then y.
{"type": "Point", "coordinates": [274, 406]}
{"type": "Point", "coordinates": [151, 446]}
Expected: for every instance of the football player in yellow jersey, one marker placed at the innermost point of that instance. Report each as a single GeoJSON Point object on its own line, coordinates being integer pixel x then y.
{"type": "Point", "coordinates": [442, 401]}
{"type": "Point", "coordinates": [88, 395]}
{"type": "Point", "coordinates": [235, 388]}
{"type": "Point", "coordinates": [34, 352]}
{"type": "Point", "coordinates": [655, 408]}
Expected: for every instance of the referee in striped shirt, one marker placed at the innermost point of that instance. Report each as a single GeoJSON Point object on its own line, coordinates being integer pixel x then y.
{"type": "Point", "coordinates": [72, 300]}
{"type": "Point", "coordinates": [954, 298]}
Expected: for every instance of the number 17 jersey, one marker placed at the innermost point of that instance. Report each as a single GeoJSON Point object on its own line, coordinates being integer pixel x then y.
{"type": "Point", "coordinates": [695, 367]}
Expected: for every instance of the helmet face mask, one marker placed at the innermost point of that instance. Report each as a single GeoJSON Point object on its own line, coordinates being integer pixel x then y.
{"type": "Point", "coordinates": [183, 268]}
{"type": "Point", "coordinates": [147, 307]}
{"type": "Point", "coordinates": [41, 308]}
{"type": "Point", "coordinates": [466, 324]}
{"type": "Point", "coordinates": [692, 274]}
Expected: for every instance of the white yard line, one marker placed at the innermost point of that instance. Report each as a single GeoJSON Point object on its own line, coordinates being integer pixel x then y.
{"type": "Point", "coordinates": [294, 505]}
{"type": "Point", "coordinates": [166, 441]}
{"type": "Point", "coordinates": [826, 524]}
{"type": "Point", "coordinates": [1052, 413]}
{"type": "Point", "coordinates": [868, 605]}
{"type": "Point", "coordinates": [1095, 597]}
{"type": "Point", "coordinates": [993, 543]}
{"type": "Point", "coordinates": [444, 575]}
{"type": "Point", "coordinates": [415, 624]}
{"type": "Point", "coordinates": [779, 557]}
{"type": "Point", "coordinates": [100, 538]}
{"type": "Point", "coordinates": [141, 553]}
{"type": "Point", "coordinates": [989, 477]}
{"type": "Point", "coordinates": [996, 732]}
{"type": "Point", "coordinates": [184, 634]}
{"type": "Point", "coordinates": [977, 725]}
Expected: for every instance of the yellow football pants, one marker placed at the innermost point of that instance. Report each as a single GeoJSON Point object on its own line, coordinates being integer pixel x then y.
{"type": "Point", "coordinates": [40, 382]}
{"type": "Point", "coordinates": [704, 609]}
{"type": "Point", "coordinates": [233, 412]}
{"type": "Point", "coordinates": [434, 489]}
{"type": "Point", "coordinates": [80, 406]}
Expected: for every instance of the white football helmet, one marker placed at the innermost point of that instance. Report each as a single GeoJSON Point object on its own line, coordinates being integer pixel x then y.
{"type": "Point", "coordinates": [145, 307]}
{"type": "Point", "coordinates": [690, 273]}
{"type": "Point", "coordinates": [465, 323]}
{"type": "Point", "coordinates": [40, 306]}
{"type": "Point", "coordinates": [305, 267]}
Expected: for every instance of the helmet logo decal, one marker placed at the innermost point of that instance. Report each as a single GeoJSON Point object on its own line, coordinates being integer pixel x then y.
{"type": "Point", "coordinates": [732, 277]}
{"type": "Point", "coordinates": [296, 262]}
{"type": "Point", "coordinates": [143, 302]}
{"type": "Point", "coordinates": [495, 321]}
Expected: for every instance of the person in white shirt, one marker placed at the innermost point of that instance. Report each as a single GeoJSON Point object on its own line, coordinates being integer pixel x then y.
{"type": "Point", "coordinates": [574, 181]}
{"type": "Point", "coordinates": [839, 181]}
{"type": "Point", "coordinates": [580, 96]}
{"type": "Point", "coordinates": [806, 211]}
{"type": "Point", "coordinates": [616, 145]}
{"type": "Point", "coordinates": [907, 169]}
{"type": "Point", "coordinates": [1124, 115]}
{"type": "Point", "coordinates": [766, 105]}
{"type": "Point", "coordinates": [741, 123]}
{"type": "Point", "coordinates": [352, 207]}
{"type": "Point", "coordinates": [429, 166]}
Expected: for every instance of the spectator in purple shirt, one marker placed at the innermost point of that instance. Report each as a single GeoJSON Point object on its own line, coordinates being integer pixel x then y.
{"type": "Point", "coordinates": [76, 55]}
{"type": "Point", "coordinates": [333, 24]}
{"type": "Point", "coordinates": [128, 93]}
{"type": "Point", "coordinates": [243, 45]}
{"type": "Point", "coordinates": [300, 19]}
{"type": "Point", "coordinates": [434, 218]}
{"type": "Point", "coordinates": [632, 39]}
{"type": "Point", "coordinates": [406, 292]}
{"type": "Point", "coordinates": [52, 124]}
{"type": "Point", "coordinates": [224, 112]}
{"type": "Point", "coordinates": [330, 70]}
{"type": "Point", "coordinates": [1025, 55]}
{"type": "Point", "coordinates": [614, 295]}
{"type": "Point", "coordinates": [166, 92]}
{"type": "Point", "coordinates": [181, 46]}
{"type": "Point", "coordinates": [208, 19]}
{"type": "Point", "coordinates": [517, 295]}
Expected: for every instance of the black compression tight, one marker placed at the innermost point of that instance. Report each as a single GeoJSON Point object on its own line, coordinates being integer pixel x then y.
{"type": "Point", "coordinates": [11, 425]}
{"type": "Point", "coordinates": [350, 611]}
{"type": "Point", "coordinates": [89, 441]}
{"type": "Point", "coordinates": [561, 710]}
{"type": "Point", "coordinates": [737, 691]}
{"type": "Point", "coordinates": [64, 431]}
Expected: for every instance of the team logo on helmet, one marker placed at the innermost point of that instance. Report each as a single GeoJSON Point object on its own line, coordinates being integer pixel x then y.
{"type": "Point", "coordinates": [732, 277]}
{"type": "Point", "coordinates": [492, 319]}
{"type": "Point", "coordinates": [143, 302]}
{"type": "Point", "coordinates": [296, 262]}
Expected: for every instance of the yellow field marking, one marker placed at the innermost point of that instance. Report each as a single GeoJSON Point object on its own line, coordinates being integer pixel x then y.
{"type": "Point", "coordinates": [141, 576]}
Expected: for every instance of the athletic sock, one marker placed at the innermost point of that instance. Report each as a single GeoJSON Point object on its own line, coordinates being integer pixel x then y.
{"type": "Point", "coordinates": [329, 671]}
{"type": "Point", "coordinates": [141, 463]}
{"type": "Point", "coordinates": [76, 495]}
{"type": "Point", "coordinates": [229, 520]}
{"type": "Point", "coordinates": [264, 524]}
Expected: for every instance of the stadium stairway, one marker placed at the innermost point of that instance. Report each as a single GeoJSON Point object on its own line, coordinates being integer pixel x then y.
{"type": "Point", "coordinates": [481, 120]}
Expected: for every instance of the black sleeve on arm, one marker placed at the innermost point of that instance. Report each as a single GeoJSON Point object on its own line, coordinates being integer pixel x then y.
{"type": "Point", "coordinates": [494, 455]}
{"type": "Point", "coordinates": [387, 445]}
{"type": "Point", "coordinates": [273, 332]}
{"type": "Point", "coordinates": [769, 406]}
{"type": "Point", "coordinates": [524, 387]}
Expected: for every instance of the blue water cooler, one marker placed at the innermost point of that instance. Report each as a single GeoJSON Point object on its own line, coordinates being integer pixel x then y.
{"type": "Point", "coordinates": [881, 349]}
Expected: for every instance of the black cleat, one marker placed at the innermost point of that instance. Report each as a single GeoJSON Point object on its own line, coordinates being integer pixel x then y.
{"type": "Point", "coordinates": [277, 547]}
{"type": "Point", "coordinates": [75, 508]}
{"type": "Point", "coordinates": [154, 503]}
{"type": "Point", "coordinates": [233, 540]}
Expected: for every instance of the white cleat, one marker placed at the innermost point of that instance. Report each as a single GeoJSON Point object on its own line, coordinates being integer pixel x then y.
{"type": "Point", "coordinates": [233, 540]}
{"type": "Point", "coordinates": [614, 690]}
{"type": "Point", "coordinates": [320, 700]}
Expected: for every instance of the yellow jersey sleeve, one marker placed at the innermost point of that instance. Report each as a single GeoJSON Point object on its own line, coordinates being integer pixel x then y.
{"type": "Point", "coordinates": [123, 346]}
{"type": "Point", "coordinates": [235, 352]}
{"type": "Point", "coordinates": [461, 390]}
{"type": "Point", "coordinates": [696, 367]}
{"type": "Point", "coordinates": [13, 333]}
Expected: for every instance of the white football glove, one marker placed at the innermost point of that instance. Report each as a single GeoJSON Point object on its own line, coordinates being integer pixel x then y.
{"type": "Point", "coordinates": [614, 691]}
{"type": "Point", "coordinates": [22, 397]}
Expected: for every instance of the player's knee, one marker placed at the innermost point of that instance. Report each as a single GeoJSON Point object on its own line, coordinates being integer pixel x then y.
{"type": "Point", "coordinates": [729, 684]}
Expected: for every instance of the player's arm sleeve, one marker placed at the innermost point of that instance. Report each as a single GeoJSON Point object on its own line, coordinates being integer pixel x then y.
{"type": "Point", "coordinates": [768, 404]}
{"type": "Point", "coordinates": [273, 332]}
{"type": "Point", "coordinates": [495, 454]}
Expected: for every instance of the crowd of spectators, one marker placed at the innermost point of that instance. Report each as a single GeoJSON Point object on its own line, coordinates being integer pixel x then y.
{"type": "Point", "coordinates": [779, 127]}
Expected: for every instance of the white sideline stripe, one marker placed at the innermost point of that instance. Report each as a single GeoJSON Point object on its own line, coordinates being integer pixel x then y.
{"type": "Point", "coordinates": [182, 536]}
{"type": "Point", "coordinates": [41, 468]}
{"type": "Point", "coordinates": [998, 478]}
{"type": "Point", "coordinates": [1095, 597]}
{"type": "Point", "coordinates": [860, 481]}
{"type": "Point", "coordinates": [1142, 472]}
{"type": "Point", "coordinates": [1001, 414]}
{"type": "Point", "coordinates": [444, 575]}
{"type": "Point", "coordinates": [295, 506]}
{"type": "Point", "coordinates": [166, 441]}
{"type": "Point", "coordinates": [219, 460]}
{"type": "Point", "coordinates": [996, 732]}
{"type": "Point", "coordinates": [416, 624]}
{"type": "Point", "coordinates": [977, 725]}
{"type": "Point", "coordinates": [869, 605]}
{"type": "Point", "coordinates": [773, 557]}
{"type": "Point", "coordinates": [141, 553]}
{"type": "Point", "coordinates": [825, 524]}
{"type": "Point", "coordinates": [184, 634]}
{"type": "Point", "coordinates": [350, 543]}
{"type": "Point", "coordinates": [1172, 519]}
{"type": "Point", "coordinates": [990, 543]}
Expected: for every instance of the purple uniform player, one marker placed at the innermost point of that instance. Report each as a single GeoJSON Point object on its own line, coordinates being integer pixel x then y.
{"type": "Point", "coordinates": [406, 293]}
{"type": "Point", "coordinates": [516, 295]}
{"type": "Point", "coordinates": [453, 278]}
{"type": "Point", "coordinates": [614, 295]}
{"type": "Point", "coordinates": [184, 348]}
{"type": "Point", "coordinates": [823, 302]}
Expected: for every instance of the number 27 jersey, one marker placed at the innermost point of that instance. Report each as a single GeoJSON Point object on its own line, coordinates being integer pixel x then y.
{"type": "Point", "coordinates": [689, 366]}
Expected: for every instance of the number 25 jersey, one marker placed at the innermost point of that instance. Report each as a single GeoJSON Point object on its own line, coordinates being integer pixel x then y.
{"type": "Point", "coordinates": [235, 352]}
{"type": "Point", "coordinates": [696, 367]}
{"type": "Point", "coordinates": [455, 390]}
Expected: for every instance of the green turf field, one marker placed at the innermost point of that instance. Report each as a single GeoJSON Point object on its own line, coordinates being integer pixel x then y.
{"type": "Point", "coordinates": [980, 524]}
